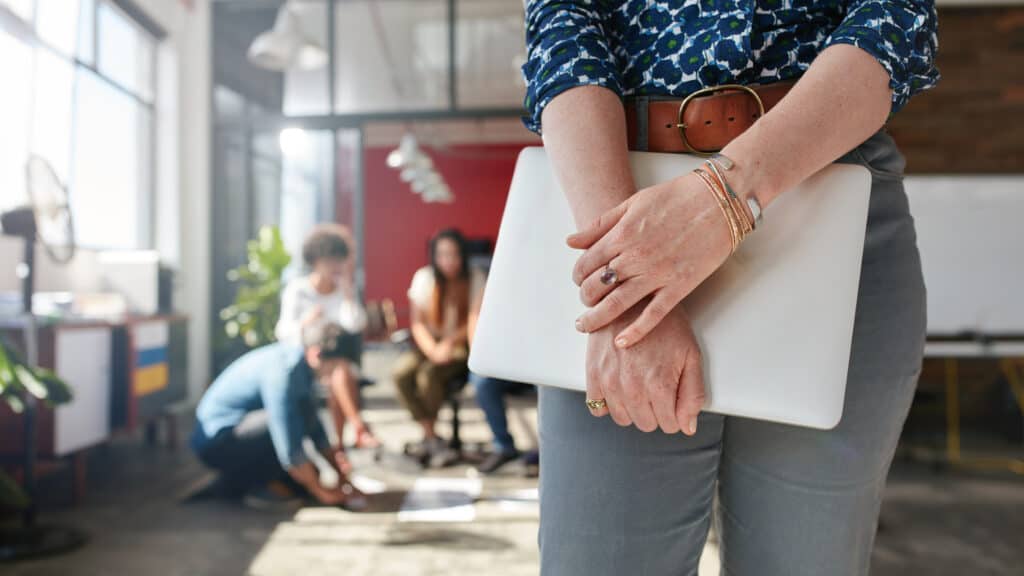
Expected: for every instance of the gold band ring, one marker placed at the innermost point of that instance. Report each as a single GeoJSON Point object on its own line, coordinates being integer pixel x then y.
{"type": "Point", "coordinates": [596, 404]}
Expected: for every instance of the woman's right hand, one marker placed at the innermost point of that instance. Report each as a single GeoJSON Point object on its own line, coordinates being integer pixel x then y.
{"type": "Point", "coordinates": [442, 352]}
{"type": "Point", "coordinates": [657, 383]}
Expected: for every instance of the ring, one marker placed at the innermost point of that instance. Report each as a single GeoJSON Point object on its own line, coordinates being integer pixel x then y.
{"type": "Point", "coordinates": [609, 276]}
{"type": "Point", "coordinates": [596, 404]}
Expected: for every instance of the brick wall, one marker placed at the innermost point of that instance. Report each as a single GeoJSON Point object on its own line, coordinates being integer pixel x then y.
{"type": "Point", "coordinates": [973, 121]}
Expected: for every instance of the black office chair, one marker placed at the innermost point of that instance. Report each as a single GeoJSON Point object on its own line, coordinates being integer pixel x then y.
{"type": "Point", "coordinates": [454, 392]}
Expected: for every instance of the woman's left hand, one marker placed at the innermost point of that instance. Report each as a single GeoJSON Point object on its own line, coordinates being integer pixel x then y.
{"type": "Point", "coordinates": [662, 242]}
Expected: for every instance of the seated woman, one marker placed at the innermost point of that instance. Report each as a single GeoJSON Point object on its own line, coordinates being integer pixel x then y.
{"type": "Point", "coordinates": [328, 295]}
{"type": "Point", "coordinates": [441, 297]}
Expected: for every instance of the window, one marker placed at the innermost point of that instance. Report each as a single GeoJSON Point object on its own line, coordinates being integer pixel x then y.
{"type": "Point", "coordinates": [15, 108]}
{"type": "Point", "coordinates": [391, 56]}
{"type": "Point", "coordinates": [79, 89]}
{"type": "Point", "coordinates": [20, 8]}
{"type": "Point", "coordinates": [489, 51]}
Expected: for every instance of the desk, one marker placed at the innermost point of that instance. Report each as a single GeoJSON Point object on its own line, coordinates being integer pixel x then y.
{"type": "Point", "coordinates": [1010, 354]}
{"type": "Point", "coordinates": [123, 374]}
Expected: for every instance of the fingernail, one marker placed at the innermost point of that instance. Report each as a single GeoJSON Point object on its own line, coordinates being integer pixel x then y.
{"type": "Point", "coordinates": [692, 426]}
{"type": "Point", "coordinates": [621, 342]}
{"type": "Point", "coordinates": [579, 325]}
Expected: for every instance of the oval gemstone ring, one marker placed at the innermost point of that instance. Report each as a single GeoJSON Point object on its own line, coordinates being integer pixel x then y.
{"type": "Point", "coordinates": [609, 276]}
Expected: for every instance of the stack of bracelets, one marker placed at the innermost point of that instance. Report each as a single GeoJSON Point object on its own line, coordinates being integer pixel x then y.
{"type": "Point", "coordinates": [740, 221]}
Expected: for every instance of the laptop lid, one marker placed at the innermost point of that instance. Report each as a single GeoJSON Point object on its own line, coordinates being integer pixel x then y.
{"type": "Point", "coordinates": [774, 323]}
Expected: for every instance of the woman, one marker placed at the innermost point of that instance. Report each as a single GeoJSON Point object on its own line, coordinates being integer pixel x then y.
{"type": "Point", "coordinates": [327, 295]}
{"type": "Point", "coordinates": [625, 494]}
{"type": "Point", "coordinates": [441, 297]}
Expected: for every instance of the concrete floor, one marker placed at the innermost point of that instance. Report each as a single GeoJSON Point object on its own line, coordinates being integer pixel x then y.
{"type": "Point", "coordinates": [949, 523]}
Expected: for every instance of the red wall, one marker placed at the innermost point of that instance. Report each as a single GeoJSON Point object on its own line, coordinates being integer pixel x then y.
{"type": "Point", "coordinates": [399, 224]}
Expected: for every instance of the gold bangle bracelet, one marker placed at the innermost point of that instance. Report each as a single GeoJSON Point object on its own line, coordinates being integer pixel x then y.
{"type": "Point", "coordinates": [734, 200]}
{"type": "Point", "coordinates": [730, 214]}
{"type": "Point", "coordinates": [739, 221]}
{"type": "Point", "coordinates": [723, 204]}
{"type": "Point", "coordinates": [744, 218]}
{"type": "Point", "coordinates": [720, 164]}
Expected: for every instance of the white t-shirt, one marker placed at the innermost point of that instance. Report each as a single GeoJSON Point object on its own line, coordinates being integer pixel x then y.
{"type": "Point", "coordinates": [421, 292]}
{"type": "Point", "coordinates": [300, 296]}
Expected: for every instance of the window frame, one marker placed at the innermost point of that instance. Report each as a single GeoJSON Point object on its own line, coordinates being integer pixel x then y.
{"type": "Point", "coordinates": [25, 31]}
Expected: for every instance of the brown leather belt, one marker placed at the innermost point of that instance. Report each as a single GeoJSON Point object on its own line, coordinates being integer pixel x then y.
{"type": "Point", "coordinates": [703, 122]}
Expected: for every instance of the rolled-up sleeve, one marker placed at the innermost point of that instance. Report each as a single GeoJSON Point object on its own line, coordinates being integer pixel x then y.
{"type": "Point", "coordinates": [901, 34]}
{"type": "Point", "coordinates": [565, 47]}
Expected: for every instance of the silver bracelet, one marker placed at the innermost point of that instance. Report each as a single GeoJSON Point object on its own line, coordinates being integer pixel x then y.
{"type": "Point", "coordinates": [722, 161]}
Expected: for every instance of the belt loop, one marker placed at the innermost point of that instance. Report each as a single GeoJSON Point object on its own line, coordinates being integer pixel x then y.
{"type": "Point", "coordinates": [642, 123]}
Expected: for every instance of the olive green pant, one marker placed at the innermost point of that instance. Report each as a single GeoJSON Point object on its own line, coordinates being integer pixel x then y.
{"type": "Point", "coordinates": [422, 385]}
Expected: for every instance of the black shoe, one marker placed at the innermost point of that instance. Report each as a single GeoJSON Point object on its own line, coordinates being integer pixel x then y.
{"type": "Point", "coordinates": [439, 454]}
{"type": "Point", "coordinates": [532, 458]}
{"type": "Point", "coordinates": [417, 451]}
{"type": "Point", "coordinates": [496, 460]}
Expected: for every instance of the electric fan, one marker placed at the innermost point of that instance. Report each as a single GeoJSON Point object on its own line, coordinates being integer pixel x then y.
{"type": "Point", "coordinates": [46, 219]}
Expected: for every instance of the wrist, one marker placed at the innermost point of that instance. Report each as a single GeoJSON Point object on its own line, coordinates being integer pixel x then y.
{"type": "Point", "coordinates": [751, 175]}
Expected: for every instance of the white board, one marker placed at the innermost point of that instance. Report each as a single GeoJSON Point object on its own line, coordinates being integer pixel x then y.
{"type": "Point", "coordinates": [971, 236]}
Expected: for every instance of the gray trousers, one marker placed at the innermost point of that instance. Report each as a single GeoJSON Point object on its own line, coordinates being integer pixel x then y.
{"type": "Point", "coordinates": [792, 501]}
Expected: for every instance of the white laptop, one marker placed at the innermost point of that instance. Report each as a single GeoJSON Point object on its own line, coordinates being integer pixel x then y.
{"type": "Point", "coordinates": [774, 323]}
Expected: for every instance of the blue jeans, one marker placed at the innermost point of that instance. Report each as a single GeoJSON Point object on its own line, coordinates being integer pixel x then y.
{"type": "Point", "coordinates": [490, 395]}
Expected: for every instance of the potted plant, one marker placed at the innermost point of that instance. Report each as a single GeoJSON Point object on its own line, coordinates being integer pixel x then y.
{"type": "Point", "coordinates": [18, 381]}
{"type": "Point", "coordinates": [253, 315]}
{"type": "Point", "coordinates": [20, 384]}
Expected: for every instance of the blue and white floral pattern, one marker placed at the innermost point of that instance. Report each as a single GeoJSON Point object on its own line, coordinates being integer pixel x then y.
{"type": "Point", "coordinates": [673, 47]}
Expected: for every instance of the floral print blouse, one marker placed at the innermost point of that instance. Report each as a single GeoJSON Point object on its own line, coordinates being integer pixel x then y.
{"type": "Point", "coordinates": [674, 47]}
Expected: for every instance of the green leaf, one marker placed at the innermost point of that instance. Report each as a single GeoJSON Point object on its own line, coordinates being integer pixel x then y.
{"type": "Point", "coordinates": [12, 496]}
{"type": "Point", "coordinates": [31, 384]}
{"type": "Point", "coordinates": [16, 404]}
{"type": "Point", "coordinates": [58, 391]}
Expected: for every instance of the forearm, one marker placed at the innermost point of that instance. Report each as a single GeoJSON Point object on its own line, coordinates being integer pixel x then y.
{"type": "Point", "coordinates": [423, 338]}
{"type": "Point", "coordinates": [460, 336]}
{"type": "Point", "coordinates": [471, 326]}
{"type": "Point", "coordinates": [842, 99]}
{"type": "Point", "coordinates": [585, 140]}
{"type": "Point", "coordinates": [307, 475]}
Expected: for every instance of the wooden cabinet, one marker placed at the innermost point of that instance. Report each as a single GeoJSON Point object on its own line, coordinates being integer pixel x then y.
{"type": "Point", "coordinates": [123, 375]}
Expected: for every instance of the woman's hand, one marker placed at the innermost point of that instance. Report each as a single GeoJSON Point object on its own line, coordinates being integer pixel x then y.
{"type": "Point", "coordinates": [661, 242]}
{"type": "Point", "coordinates": [443, 351]}
{"type": "Point", "coordinates": [658, 383]}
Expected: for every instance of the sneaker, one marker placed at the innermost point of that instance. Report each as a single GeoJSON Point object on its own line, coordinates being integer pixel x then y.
{"type": "Point", "coordinates": [275, 496]}
{"type": "Point", "coordinates": [495, 461]}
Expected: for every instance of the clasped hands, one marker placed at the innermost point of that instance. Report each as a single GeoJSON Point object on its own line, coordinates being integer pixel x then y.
{"type": "Point", "coordinates": [640, 259]}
